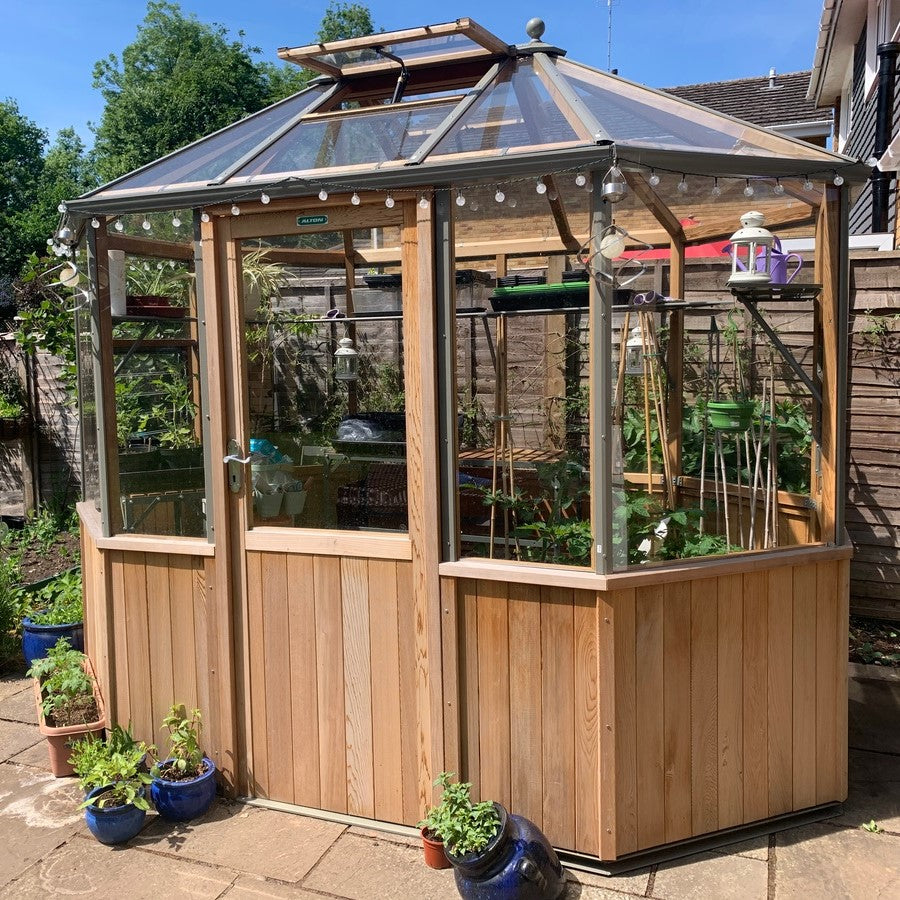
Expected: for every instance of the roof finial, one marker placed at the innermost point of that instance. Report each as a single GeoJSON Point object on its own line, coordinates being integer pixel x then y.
{"type": "Point", "coordinates": [534, 28]}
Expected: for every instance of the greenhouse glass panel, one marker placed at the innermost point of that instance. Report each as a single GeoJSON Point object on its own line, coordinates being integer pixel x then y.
{"type": "Point", "coordinates": [411, 52]}
{"type": "Point", "coordinates": [357, 137]}
{"type": "Point", "coordinates": [211, 157]}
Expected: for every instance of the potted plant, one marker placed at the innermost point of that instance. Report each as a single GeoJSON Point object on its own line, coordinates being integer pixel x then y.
{"type": "Point", "coordinates": [735, 414]}
{"type": "Point", "coordinates": [55, 610]}
{"type": "Point", "coordinates": [494, 854]}
{"type": "Point", "coordinates": [113, 777]}
{"type": "Point", "coordinates": [68, 702]}
{"type": "Point", "coordinates": [184, 784]}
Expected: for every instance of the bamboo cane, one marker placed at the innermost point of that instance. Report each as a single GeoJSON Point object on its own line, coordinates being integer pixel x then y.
{"type": "Point", "coordinates": [740, 498]}
{"type": "Point", "coordinates": [724, 488]}
{"type": "Point", "coordinates": [773, 456]}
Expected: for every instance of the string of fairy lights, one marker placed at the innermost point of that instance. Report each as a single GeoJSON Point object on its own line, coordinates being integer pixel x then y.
{"type": "Point", "coordinates": [613, 187]}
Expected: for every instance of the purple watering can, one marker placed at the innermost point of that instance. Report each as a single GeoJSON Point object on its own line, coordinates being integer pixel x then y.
{"type": "Point", "coordinates": [780, 259]}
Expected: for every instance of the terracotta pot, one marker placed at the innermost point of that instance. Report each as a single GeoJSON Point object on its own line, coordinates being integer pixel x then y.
{"type": "Point", "coordinates": [435, 858]}
{"type": "Point", "coordinates": [60, 739]}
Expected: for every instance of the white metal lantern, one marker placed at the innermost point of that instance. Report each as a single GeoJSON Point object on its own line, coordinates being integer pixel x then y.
{"type": "Point", "coordinates": [634, 353]}
{"type": "Point", "coordinates": [758, 242]}
{"type": "Point", "coordinates": [346, 361]}
{"type": "Point", "coordinates": [614, 186]}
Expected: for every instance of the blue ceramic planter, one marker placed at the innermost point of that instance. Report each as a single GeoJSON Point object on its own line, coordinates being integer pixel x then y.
{"type": "Point", "coordinates": [518, 864]}
{"type": "Point", "coordinates": [116, 824]}
{"type": "Point", "coordinates": [181, 801]}
{"type": "Point", "coordinates": [38, 639]}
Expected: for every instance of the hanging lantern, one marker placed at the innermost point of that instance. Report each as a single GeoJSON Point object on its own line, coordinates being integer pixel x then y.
{"type": "Point", "coordinates": [346, 361]}
{"type": "Point", "coordinates": [614, 186]}
{"type": "Point", "coordinates": [758, 242]}
{"type": "Point", "coordinates": [634, 352]}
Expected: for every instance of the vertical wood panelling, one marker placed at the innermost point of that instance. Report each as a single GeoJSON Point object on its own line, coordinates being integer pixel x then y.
{"type": "Point", "coordinates": [134, 578]}
{"type": "Point", "coordinates": [304, 691]}
{"type": "Point", "coordinates": [780, 689]}
{"type": "Point", "coordinates": [468, 674]}
{"type": "Point", "coordinates": [677, 690]}
{"type": "Point", "coordinates": [277, 675]}
{"type": "Point", "coordinates": [450, 674]}
{"type": "Point", "coordinates": [385, 656]}
{"type": "Point", "coordinates": [330, 683]}
{"type": "Point", "coordinates": [202, 579]}
{"type": "Point", "coordinates": [804, 694]}
{"type": "Point", "coordinates": [587, 768]}
{"type": "Point", "coordinates": [357, 687]}
{"type": "Point", "coordinates": [493, 681]}
{"type": "Point", "coordinates": [558, 714]}
{"type": "Point", "coordinates": [841, 649]}
{"type": "Point", "coordinates": [160, 642]}
{"type": "Point", "coordinates": [409, 716]}
{"type": "Point", "coordinates": [525, 702]}
{"type": "Point", "coordinates": [624, 725]}
{"type": "Point", "coordinates": [756, 751]}
{"type": "Point", "coordinates": [184, 643]}
{"type": "Point", "coordinates": [122, 712]}
{"type": "Point", "coordinates": [730, 700]}
{"type": "Point", "coordinates": [259, 767]}
{"type": "Point", "coordinates": [704, 720]}
{"type": "Point", "coordinates": [827, 674]}
{"type": "Point", "coordinates": [650, 759]}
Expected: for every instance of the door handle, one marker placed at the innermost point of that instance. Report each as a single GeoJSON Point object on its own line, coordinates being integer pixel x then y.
{"type": "Point", "coordinates": [235, 460]}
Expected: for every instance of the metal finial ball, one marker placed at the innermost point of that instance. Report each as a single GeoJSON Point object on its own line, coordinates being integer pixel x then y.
{"type": "Point", "coordinates": [534, 28]}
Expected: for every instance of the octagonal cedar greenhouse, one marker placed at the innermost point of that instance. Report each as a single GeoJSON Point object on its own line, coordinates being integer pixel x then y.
{"type": "Point", "coordinates": [408, 457]}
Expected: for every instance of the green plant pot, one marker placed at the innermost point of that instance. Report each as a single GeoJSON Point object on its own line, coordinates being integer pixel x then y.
{"type": "Point", "coordinates": [730, 415]}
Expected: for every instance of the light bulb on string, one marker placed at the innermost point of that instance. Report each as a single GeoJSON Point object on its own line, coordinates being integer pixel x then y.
{"type": "Point", "coordinates": [716, 190]}
{"type": "Point", "coordinates": [807, 184]}
{"type": "Point", "coordinates": [423, 202]}
{"type": "Point", "coordinates": [204, 217]}
{"type": "Point", "coordinates": [581, 179]}
{"type": "Point", "coordinates": [61, 208]}
{"type": "Point", "coordinates": [552, 195]}
{"type": "Point", "coordinates": [355, 200]}
{"type": "Point", "coordinates": [838, 179]}
{"type": "Point", "coordinates": [779, 187]}
{"type": "Point", "coordinates": [499, 196]}
{"type": "Point", "coordinates": [473, 205]}
{"type": "Point", "coordinates": [176, 222]}
{"type": "Point", "coordinates": [653, 180]}
{"type": "Point", "coordinates": [323, 195]}
{"type": "Point", "coordinates": [682, 185]}
{"type": "Point", "coordinates": [541, 187]}
{"type": "Point", "coordinates": [95, 222]}
{"type": "Point", "coordinates": [235, 209]}
{"type": "Point", "coordinates": [389, 201]}
{"type": "Point", "coordinates": [265, 199]}
{"type": "Point", "coordinates": [513, 202]}
{"type": "Point", "coordinates": [145, 224]}
{"type": "Point", "coordinates": [119, 225]}
{"type": "Point", "coordinates": [748, 189]}
{"type": "Point", "coordinates": [460, 198]}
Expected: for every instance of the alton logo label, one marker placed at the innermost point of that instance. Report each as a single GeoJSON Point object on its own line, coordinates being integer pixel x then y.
{"type": "Point", "coordinates": [312, 220]}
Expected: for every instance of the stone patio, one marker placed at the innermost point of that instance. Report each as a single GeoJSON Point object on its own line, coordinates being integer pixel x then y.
{"type": "Point", "coordinates": [247, 853]}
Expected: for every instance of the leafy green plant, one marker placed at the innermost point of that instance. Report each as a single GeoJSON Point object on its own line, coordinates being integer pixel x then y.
{"type": "Point", "coordinates": [463, 826]}
{"type": "Point", "coordinates": [12, 394]}
{"type": "Point", "coordinates": [160, 279]}
{"type": "Point", "coordinates": [176, 411]}
{"type": "Point", "coordinates": [186, 757]}
{"type": "Point", "coordinates": [59, 602]}
{"type": "Point", "coordinates": [872, 827]}
{"type": "Point", "coordinates": [115, 763]}
{"type": "Point", "coordinates": [62, 677]}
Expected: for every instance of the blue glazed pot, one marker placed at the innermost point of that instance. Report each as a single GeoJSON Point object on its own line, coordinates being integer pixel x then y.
{"type": "Point", "coordinates": [116, 824]}
{"type": "Point", "coordinates": [38, 639]}
{"type": "Point", "coordinates": [180, 801]}
{"type": "Point", "coordinates": [517, 864]}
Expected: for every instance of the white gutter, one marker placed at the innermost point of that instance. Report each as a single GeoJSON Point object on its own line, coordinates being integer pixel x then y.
{"type": "Point", "coordinates": [890, 162]}
{"type": "Point", "coordinates": [830, 11]}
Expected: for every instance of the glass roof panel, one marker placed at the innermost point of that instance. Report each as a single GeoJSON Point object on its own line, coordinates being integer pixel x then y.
{"type": "Point", "coordinates": [410, 52]}
{"type": "Point", "coordinates": [209, 157]}
{"type": "Point", "coordinates": [632, 113]}
{"type": "Point", "coordinates": [515, 111]}
{"type": "Point", "coordinates": [357, 137]}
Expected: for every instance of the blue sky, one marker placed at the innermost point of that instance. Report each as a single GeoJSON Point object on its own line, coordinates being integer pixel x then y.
{"type": "Point", "coordinates": [50, 46]}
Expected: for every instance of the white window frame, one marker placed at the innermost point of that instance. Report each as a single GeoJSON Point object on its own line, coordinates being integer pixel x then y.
{"type": "Point", "coordinates": [879, 28]}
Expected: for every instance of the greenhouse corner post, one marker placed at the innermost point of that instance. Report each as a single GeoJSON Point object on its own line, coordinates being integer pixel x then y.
{"type": "Point", "coordinates": [600, 382]}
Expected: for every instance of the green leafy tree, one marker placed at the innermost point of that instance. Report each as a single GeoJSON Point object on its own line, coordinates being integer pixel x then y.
{"type": "Point", "coordinates": [343, 21]}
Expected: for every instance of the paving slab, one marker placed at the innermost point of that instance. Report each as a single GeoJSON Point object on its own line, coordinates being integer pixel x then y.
{"type": "Point", "coordinates": [711, 875]}
{"type": "Point", "coordinates": [19, 707]}
{"type": "Point", "coordinates": [246, 887]}
{"type": "Point", "coordinates": [754, 848]}
{"type": "Point", "coordinates": [84, 866]}
{"type": "Point", "coordinates": [364, 869]}
{"type": "Point", "coordinates": [584, 884]}
{"type": "Point", "coordinates": [13, 684]}
{"type": "Point", "coordinates": [16, 737]}
{"type": "Point", "coordinates": [36, 757]}
{"type": "Point", "coordinates": [874, 708]}
{"type": "Point", "coordinates": [868, 800]}
{"type": "Point", "coordinates": [823, 861]}
{"type": "Point", "coordinates": [377, 835]}
{"type": "Point", "coordinates": [284, 846]}
{"type": "Point", "coordinates": [37, 813]}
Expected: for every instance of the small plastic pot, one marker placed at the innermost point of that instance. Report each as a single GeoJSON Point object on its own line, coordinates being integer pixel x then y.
{"type": "Point", "coordinates": [114, 824]}
{"type": "Point", "coordinates": [181, 801]}
{"type": "Point", "coordinates": [435, 858]}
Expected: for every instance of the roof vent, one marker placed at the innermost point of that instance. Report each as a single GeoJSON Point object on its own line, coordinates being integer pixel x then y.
{"type": "Point", "coordinates": [771, 79]}
{"type": "Point", "coordinates": [534, 28]}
